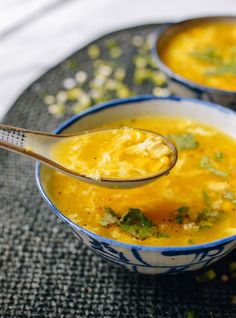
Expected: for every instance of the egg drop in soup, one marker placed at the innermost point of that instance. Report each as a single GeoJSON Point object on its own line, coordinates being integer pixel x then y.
{"type": "Point", "coordinates": [195, 203]}
{"type": "Point", "coordinates": [124, 153]}
{"type": "Point", "coordinates": [204, 53]}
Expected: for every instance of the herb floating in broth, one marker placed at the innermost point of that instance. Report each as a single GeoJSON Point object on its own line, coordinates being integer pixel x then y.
{"type": "Point", "coordinates": [219, 155]}
{"type": "Point", "coordinates": [134, 222]}
{"type": "Point", "coordinates": [206, 198]}
{"type": "Point", "coordinates": [109, 217]}
{"type": "Point", "coordinates": [184, 141]}
{"type": "Point", "coordinates": [205, 164]}
{"type": "Point", "coordinates": [216, 59]}
{"type": "Point", "coordinates": [182, 213]}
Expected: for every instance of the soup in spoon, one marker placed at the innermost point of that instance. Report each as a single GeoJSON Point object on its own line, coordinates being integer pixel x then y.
{"type": "Point", "coordinates": [123, 153]}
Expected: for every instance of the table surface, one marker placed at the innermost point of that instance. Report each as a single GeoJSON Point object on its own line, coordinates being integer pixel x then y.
{"type": "Point", "coordinates": [37, 34]}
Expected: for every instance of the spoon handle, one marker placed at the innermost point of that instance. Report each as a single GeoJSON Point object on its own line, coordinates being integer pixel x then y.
{"type": "Point", "coordinates": [28, 142]}
{"type": "Point", "coordinates": [35, 144]}
{"type": "Point", "coordinates": [12, 138]}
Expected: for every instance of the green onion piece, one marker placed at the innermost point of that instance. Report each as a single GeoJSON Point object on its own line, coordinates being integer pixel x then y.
{"type": "Point", "coordinates": [206, 198]}
{"type": "Point", "coordinates": [134, 222]}
{"type": "Point", "coordinates": [115, 52]}
{"type": "Point", "coordinates": [184, 141]}
{"type": "Point", "coordinates": [206, 277]}
{"type": "Point", "coordinates": [232, 267]}
{"type": "Point", "coordinates": [93, 51]}
{"type": "Point", "coordinates": [191, 314]}
{"type": "Point", "coordinates": [219, 155]}
{"type": "Point", "coordinates": [205, 164]}
{"type": "Point", "coordinates": [109, 217]}
{"type": "Point", "coordinates": [57, 109]}
{"type": "Point", "coordinates": [182, 212]}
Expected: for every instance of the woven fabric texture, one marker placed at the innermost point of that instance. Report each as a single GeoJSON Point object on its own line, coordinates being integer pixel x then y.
{"type": "Point", "coordinates": [46, 272]}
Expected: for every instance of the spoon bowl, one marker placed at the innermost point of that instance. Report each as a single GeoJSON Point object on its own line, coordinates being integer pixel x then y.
{"type": "Point", "coordinates": [38, 145]}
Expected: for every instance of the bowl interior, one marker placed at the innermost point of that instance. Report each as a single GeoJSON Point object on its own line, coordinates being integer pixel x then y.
{"type": "Point", "coordinates": [169, 31]}
{"type": "Point", "coordinates": [204, 112]}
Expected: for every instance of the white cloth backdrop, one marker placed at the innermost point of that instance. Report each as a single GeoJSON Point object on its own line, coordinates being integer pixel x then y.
{"type": "Point", "coordinates": [37, 34]}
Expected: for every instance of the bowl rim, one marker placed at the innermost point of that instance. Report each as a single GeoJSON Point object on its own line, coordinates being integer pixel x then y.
{"type": "Point", "coordinates": [73, 225]}
{"type": "Point", "coordinates": [170, 73]}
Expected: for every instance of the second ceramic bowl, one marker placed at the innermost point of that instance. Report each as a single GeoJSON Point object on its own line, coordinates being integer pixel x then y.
{"type": "Point", "coordinates": [179, 85]}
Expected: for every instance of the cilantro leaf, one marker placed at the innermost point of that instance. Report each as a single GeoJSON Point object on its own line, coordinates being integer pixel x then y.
{"type": "Point", "coordinates": [207, 218]}
{"type": "Point", "coordinates": [109, 217]}
{"type": "Point", "coordinates": [184, 141]}
{"type": "Point", "coordinates": [205, 164]}
{"type": "Point", "coordinates": [206, 198]}
{"type": "Point", "coordinates": [208, 55]}
{"type": "Point", "coordinates": [182, 212]}
{"type": "Point", "coordinates": [219, 155]}
{"type": "Point", "coordinates": [133, 222]}
{"type": "Point", "coordinates": [206, 277]}
{"type": "Point", "coordinates": [219, 66]}
{"type": "Point", "coordinates": [135, 216]}
{"type": "Point", "coordinates": [138, 231]}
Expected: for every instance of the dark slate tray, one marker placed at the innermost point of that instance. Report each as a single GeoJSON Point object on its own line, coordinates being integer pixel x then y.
{"type": "Point", "coordinates": [45, 271]}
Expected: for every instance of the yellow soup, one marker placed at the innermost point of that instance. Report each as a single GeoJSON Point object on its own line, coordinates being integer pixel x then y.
{"type": "Point", "coordinates": [204, 53]}
{"type": "Point", "coordinates": [114, 153]}
{"type": "Point", "coordinates": [195, 203]}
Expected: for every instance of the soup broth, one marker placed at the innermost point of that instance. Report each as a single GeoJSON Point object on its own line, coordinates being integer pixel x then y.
{"type": "Point", "coordinates": [195, 203]}
{"type": "Point", "coordinates": [205, 54]}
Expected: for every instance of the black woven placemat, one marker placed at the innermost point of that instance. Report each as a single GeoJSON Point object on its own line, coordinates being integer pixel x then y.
{"type": "Point", "coordinates": [44, 270]}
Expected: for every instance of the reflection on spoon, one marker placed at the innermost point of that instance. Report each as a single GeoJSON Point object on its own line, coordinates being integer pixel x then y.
{"type": "Point", "coordinates": [116, 158]}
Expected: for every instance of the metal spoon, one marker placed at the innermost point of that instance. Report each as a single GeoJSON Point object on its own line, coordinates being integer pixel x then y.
{"type": "Point", "coordinates": [38, 145]}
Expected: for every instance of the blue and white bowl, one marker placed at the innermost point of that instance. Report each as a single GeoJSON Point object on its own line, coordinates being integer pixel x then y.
{"type": "Point", "coordinates": [138, 258]}
{"type": "Point", "coordinates": [179, 85]}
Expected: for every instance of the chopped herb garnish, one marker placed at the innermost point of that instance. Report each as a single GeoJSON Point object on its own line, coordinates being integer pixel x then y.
{"type": "Point", "coordinates": [133, 222]}
{"type": "Point", "coordinates": [218, 65]}
{"type": "Point", "coordinates": [208, 55]}
{"type": "Point", "coordinates": [163, 235]}
{"type": "Point", "coordinates": [93, 51]}
{"type": "Point", "coordinates": [228, 195]}
{"type": "Point", "coordinates": [205, 227]}
{"type": "Point", "coordinates": [205, 164]}
{"type": "Point", "coordinates": [135, 216]}
{"type": "Point", "coordinates": [182, 212]}
{"type": "Point", "coordinates": [207, 216]}
{"type": "Point", "coordinates": [109, 217]}
{"type": "Point", "coordinates": [206, 198]}
{"type": "Point", "coordinates": [184, 141]}
{"type": "Point", "coordinates": [219, 155]}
